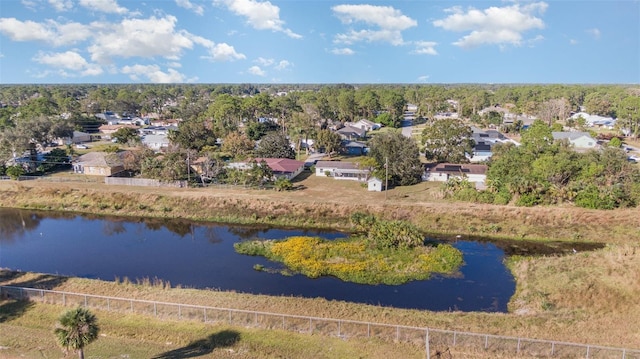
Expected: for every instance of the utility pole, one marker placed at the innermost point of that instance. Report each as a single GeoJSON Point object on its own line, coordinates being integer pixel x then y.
{"type": "Point", "coordinates": [386, 176]}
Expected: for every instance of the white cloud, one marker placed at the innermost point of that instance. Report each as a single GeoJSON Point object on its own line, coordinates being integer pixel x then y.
{"type": "Point", "coordinates": [69, 60]}
{"type": "Point", "coordinates": [595, 32]}
{"type": "Point", "coordinates": [495, 25]}
{"type": "Point", "coordinates": [282, 65]}
{"type": "Point", "coordinates": [50, 32]}
{"type": "Point", "coordinates": [198, 9]}
{"type": "Point", "coordinates": [225, 52]}
{"type": "Point", "coordinates": [174, 64]}
{"type": "Point", "coordinates": [425, 48]}
{"type": "Point", "coordinates": [342, 51]}
{"type": "Point", "coordinates": [423, 78]}
{"type": "Point", "coordinates": [260, 15]}
{"type": "Point", "coordinates": [388, 23]}
{"type": "Point", "coordinates": [573, 41]}
{"type": "Point", "coordinates": [153, 74]}
{"type": "Point", "coordinates": [61, 5]}
{"type": "Point", "coordinates": [107, 6]}
{"type": "Point", "coordinates": [256, 70]}
{"type": "Point", "coordinates": [264, 62]}
{"type": "Point", "coordinates": [141, 38]}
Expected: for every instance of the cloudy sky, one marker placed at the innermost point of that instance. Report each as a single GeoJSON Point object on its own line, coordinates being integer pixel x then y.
{"type": "Point", "coordinates": [319, 41]}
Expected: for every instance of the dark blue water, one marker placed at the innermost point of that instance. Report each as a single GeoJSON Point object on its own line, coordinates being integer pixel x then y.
{"type": "Point", "coordinates": [201, 255]}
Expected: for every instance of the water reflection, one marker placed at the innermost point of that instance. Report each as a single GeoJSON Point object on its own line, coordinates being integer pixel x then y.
{"type": "Point", "coordinates": [181, 253]}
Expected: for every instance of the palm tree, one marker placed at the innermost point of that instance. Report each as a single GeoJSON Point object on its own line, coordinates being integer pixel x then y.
{"type": "Point", "coordinates": [76, 329]}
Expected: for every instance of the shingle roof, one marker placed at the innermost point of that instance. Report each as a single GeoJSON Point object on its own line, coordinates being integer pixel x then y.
{"type": "Point", "coordinates": [282, 165]}
{"type": "Point", "coordinates": [456, 168]}
{"type": "Point", "coordinates": [337, 164]}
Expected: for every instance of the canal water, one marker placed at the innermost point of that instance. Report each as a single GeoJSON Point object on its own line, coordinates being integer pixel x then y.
{"type": "Point", "coordinates": [201, 255]}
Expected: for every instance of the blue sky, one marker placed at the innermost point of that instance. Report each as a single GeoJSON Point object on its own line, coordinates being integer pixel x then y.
{"type": "Point", "coordinates": [319, 41]}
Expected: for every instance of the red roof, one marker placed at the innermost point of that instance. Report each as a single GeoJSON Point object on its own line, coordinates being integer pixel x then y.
{"type": "Point", "coordinates": [282, 165]}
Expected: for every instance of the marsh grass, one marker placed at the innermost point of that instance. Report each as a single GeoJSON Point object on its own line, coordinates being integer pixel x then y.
{"type": "Point", "coordinates": [353, 260]}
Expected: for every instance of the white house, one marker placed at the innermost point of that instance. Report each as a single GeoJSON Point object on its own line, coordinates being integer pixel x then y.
{"type": "Point", "coordinates": [579, 140]}
{"type": "Point", "coordinates": [473, 173]}
{"type": "Point", "coordinates": [156, 142]}
{"type": "Point", "coordinates": [341, 170]}
{"type": "Point", "coordinates": [366, 125]}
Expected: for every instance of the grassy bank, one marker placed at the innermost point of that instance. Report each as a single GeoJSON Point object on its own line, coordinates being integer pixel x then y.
{"type": "Point", "coordinates": [587, 297]}
{"type": "Point", "coordinates": [326, 203]}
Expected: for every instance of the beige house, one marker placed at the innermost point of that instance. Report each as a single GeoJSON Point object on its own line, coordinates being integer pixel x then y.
{"type": "Point", "coordinates": [99, 163]}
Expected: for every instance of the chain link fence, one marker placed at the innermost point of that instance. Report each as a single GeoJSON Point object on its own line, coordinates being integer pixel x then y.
{"type": "Point", "coordinates": [435, 341]}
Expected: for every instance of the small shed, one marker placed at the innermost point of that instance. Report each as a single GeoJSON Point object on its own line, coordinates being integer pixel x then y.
{"type": "Point", "coordinates": [374, 184]}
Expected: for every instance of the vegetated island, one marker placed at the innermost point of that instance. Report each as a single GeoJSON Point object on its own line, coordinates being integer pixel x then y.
{"type": "Point", "coordinates": [381, 252]}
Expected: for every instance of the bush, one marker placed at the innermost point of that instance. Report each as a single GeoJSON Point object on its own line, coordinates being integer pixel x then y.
{"type": "Point", "coordinates": [527, 200]}
{"type": "Point", "coordinates": [395, 234]}
{"type": "Point", "coordinates": [283, 184]}
{"type": "Point", "coordinates": [15, 171]}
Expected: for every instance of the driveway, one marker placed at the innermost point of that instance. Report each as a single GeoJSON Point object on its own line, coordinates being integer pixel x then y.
{"type": "Point", "coordinates": [407, 127]}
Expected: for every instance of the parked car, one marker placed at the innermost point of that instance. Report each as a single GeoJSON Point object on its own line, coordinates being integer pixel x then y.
{"type": "Point", "coordinates": [81, 146]}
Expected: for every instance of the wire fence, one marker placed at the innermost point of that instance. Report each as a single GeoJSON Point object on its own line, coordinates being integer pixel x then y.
{"type": "Point", "coordinates": [434, 341]}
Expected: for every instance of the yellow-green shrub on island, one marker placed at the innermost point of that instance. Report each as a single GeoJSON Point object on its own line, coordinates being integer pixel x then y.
{"type": "Point", "coordinates": [360, 259]}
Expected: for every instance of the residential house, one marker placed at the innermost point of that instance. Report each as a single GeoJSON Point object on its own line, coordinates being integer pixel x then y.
{"type": "Point", "coordinates": [281, 167]}
{"type": "Point", "coordinates": [341, 170]}
{"type": "Point", "coordinates": [111, 129]}
{"type": "Point", "coordinates": [595, 120]}
{"type": "Point", "coordinates": [474, 173]}
{"type": "Point", "coordinates": [99, 163]}
{"type": "Point", "coordinates": [365, 125]}
{"type": "Point", "coordinates": [352, 133]}
{"type": "Point", "coordinates": [579, 140]}
{"type": "Point", "coordinates": [77, 137]}
{"type": "Point", "coordinates": [155, 142]}
{"type": "Point", "coordinates": [353, 148]}
{"type": "Point", "coordinates": [109, 117]}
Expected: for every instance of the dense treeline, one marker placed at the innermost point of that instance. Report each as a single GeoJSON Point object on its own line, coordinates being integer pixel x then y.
{"type": "Point", "coordinates": [545, 172]}
{"type": "Point", "coordinates": [241, 114]}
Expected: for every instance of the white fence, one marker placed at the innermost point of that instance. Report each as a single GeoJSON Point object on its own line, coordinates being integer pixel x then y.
{"type": "Point", "coordinates": [434, 341]}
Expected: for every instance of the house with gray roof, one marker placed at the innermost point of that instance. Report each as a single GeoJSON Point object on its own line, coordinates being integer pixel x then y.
{"type": "Point", "coordinates": [342, 170]}
{"type": "Point", "coordinates": [579, 140]}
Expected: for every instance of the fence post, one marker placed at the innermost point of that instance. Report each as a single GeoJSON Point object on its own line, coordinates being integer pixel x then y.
{"type": "Point", "coordinates": [42, 295]}
{"type": "Point", "coordinates": [587, 352]}
{"type": "Point", "coordinates": [64, 299]}
{"type": "Point", "coordinates": [397, 333]}
{"type": "Point", "coordinates": [486, 342]}
{"type": "Point", "coordinates": [131, 305]}
{"type": "Point", "coordinates": [310, 327]}
{"type": "Point", "coordinates": [108, 305]}
{"type": "Point", "coordinates": [205, 314]}
{"type": "Point", "coordinates": [368, 330]}
{"type": "Point", "coordinates": [553, 348]}
{"type": "Point", "coordinates": [155, 309]}
{"type": "Point", "coordinates": [454, 338]}
{"type": "Point", "coordinates": [85, 301]}
{"type": "Point", "coordinates": [179, 312]}
{"type": "Point", "coordinates": [427, 345]}
{"type": "Point", "coordinates": [339, 334]}
{"type": "Point", "coordinates": [518, 349]}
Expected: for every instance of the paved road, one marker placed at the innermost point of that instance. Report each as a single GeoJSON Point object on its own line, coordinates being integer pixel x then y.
{"type": "Point", "coordinates": [407, 127]}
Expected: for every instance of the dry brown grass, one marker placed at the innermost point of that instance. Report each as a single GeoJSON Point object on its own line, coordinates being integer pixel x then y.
{"type": "Point", "coordinates": [322, 202]}
{"type": "Point", "coordinates": [586, 297]}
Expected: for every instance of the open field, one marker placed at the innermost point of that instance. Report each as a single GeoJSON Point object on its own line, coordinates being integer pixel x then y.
{"type": "Point", "coordinates": [587, 297]}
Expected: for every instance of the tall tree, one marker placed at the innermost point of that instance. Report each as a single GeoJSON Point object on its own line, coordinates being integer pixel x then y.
{"type": "Point", "coordinates": [629, 113]}
{"type": "Point", "coordinates": [275, 145]}
{"type": "Point", "coordinates": [328, 141]}
{"type": "Point", "coordinates": [396, 156]}
{"type": "Point", "coordinates": [193, 134]}
{"type": "Point", "coordinates": [447, 140]}
{"type": "Point", "coordinates": [76, 329]}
